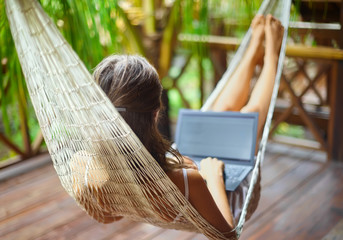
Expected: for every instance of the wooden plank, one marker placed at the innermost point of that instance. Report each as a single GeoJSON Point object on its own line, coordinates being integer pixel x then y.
{"type": "Point", "coordinates": [198, 237]}
{"type": "Point", "coordinates": [106, 231]}
{"type": "Point", "coordinates": [30, 197]}
{"type": "Point", "coordinates": [44, 225]}
{"type": "Point", "coordinates": [69, 229]}
{"type": "Point", "coordinates": [292, 178]}
{"type": "Point", "coordinates": [281, 167]}
{"type": "Point", "coordinates": [139, 231]}
{"type": "Point", "coordinates": [12, 224]}
{"type": "Point", "coordinates": [271, 161]}
{"type": "Point", "coordinates": [27, 178]}
{"type": "Point", "coordinates": [283, 186]}
{"type": "Point", "coordinates": [336, 232]}
{"type": "Point", "coordinates": [276, 191]}
{"type": "Point", "coordinates": [306, 213]}
{"type": "Point", "coordinates": [22, 167]}
{"type": "Point", "coordinates": [174, 234]}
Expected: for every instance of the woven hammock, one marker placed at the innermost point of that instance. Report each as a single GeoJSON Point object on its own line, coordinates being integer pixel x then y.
{"type": "Point", "coordinates": [99, 160]}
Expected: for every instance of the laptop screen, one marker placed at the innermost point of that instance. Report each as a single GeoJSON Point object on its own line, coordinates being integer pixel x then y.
{"type": "Point", "coordinates": [224, 135]}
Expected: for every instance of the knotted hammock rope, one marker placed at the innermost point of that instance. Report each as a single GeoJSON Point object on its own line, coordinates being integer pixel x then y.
{"type": "Point", "coordinates": [99, 160]}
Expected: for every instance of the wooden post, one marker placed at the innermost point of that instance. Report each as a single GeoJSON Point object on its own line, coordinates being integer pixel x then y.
{"type": "Point", "coordinates": [341, 22]}
{"type": "Point", "coordinates": [336, 115]}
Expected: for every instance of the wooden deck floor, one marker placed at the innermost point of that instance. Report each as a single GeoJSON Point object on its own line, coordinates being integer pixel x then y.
{"type": "Point", "coordinates": [302, 198]}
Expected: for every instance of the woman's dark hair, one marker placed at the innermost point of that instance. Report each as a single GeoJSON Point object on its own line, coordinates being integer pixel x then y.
{"type": "Point", "coordinates": [132, 83]}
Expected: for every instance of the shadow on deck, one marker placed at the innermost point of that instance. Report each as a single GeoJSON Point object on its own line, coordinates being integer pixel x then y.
{"type": "Point", "coordinates": [302, 198]}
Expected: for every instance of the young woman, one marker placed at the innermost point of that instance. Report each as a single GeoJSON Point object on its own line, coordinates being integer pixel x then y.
{"type": "Point", "coordinates": [134, 88]}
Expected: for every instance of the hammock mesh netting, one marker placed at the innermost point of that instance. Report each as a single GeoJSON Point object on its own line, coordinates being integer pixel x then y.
{"type": "Point", "coordinates": [99, 160]}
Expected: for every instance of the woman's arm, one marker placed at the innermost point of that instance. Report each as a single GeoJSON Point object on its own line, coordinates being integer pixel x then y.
{"type": "Point", "coordinates": [212, 171]}
{"type": "Point", "coordinates": [209, 205]}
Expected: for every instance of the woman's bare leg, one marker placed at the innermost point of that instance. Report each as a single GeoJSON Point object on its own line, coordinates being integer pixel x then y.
{"type": "Point", "coordinates": [235, 93]}
{"type": "Point", "coordinates": [260, 97]}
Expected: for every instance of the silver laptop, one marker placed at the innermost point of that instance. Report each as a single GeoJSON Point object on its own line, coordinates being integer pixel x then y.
{"type": "Point", "coordinates": [227, 136]}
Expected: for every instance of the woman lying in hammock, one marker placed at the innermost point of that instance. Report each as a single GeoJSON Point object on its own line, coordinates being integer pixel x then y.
{"type": "Point", "coordinates": [133, 86]}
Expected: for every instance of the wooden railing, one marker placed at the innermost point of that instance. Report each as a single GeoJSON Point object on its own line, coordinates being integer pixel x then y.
{"type": "Point", "coordinates": [324, 116]}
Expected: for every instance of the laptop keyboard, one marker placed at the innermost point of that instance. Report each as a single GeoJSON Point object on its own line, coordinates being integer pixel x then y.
{"type": "Point", "coordinates": [233, 173]}
{"type": "Point", "coordinates": [233, 176]}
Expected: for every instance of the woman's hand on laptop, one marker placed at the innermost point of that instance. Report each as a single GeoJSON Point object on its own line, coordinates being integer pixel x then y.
{"type": "Point", "coordinates": [212, 169]}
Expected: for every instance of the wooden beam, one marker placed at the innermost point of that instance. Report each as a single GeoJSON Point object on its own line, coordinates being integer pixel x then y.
{"type": "Point", "coordinates": [215, 41]}
{"type": "Point", "coordinates": [11, 145]}
{"type": "Point", "coordinates": [314, 26]}
{"type": "Point", "coordinates": [314, 52]}
{"type": "Point", "coordinates": [291, 116]}
{"type": "Point", "coordinates": [35, 146]}
{"type": "Point", "coordinates": [230, 43]}
{"type": "Point", "coordinates": [336, 117]}
{"type": "Point", "coordinates": [305, 143]}
{"type": "Point", "coordinates": [341, 21]}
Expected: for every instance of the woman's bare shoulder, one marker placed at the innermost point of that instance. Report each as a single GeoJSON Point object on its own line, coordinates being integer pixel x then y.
{"type": "Point", "coordinates": [200, 197]}
{"type": "Point", "coordinates": [193, 177]}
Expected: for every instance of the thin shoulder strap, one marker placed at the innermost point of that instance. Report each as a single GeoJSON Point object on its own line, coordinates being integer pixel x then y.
{"type": "Point", "coordinates": [185, 178]}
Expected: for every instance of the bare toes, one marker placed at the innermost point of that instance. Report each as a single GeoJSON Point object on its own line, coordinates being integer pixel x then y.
{"type": "Point", "coordinates": [274, 33]}
{"type": "Point", "coordinates": [258, 19]}
{"type": "Point", "coordinates": [269, 19]}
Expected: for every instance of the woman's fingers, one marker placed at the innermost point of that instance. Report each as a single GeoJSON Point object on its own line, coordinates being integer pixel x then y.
{"type": "Point", "coordinates": [211, 167]}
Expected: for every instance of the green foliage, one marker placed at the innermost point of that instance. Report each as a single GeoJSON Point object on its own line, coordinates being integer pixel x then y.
{"type": "Point", "coordinates": [234, 15]}
{"type": "Point", "coordinates": [13, 92]}
{"type": "Point", "coordinates": [89, 26]}
{"type": "Point", "coordinates": [190, 85]}
{"type": "Point", "coordinates": [290, 130]}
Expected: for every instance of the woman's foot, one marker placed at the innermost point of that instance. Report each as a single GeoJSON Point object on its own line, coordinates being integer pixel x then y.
{"type": "Point", "coordinates": [274, 35]}
{"type": "Point", "coordinates": [256, 48]}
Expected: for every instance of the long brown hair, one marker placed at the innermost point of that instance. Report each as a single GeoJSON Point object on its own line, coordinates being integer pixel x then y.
{"type": "Point", "coordinates": [132, 84]}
